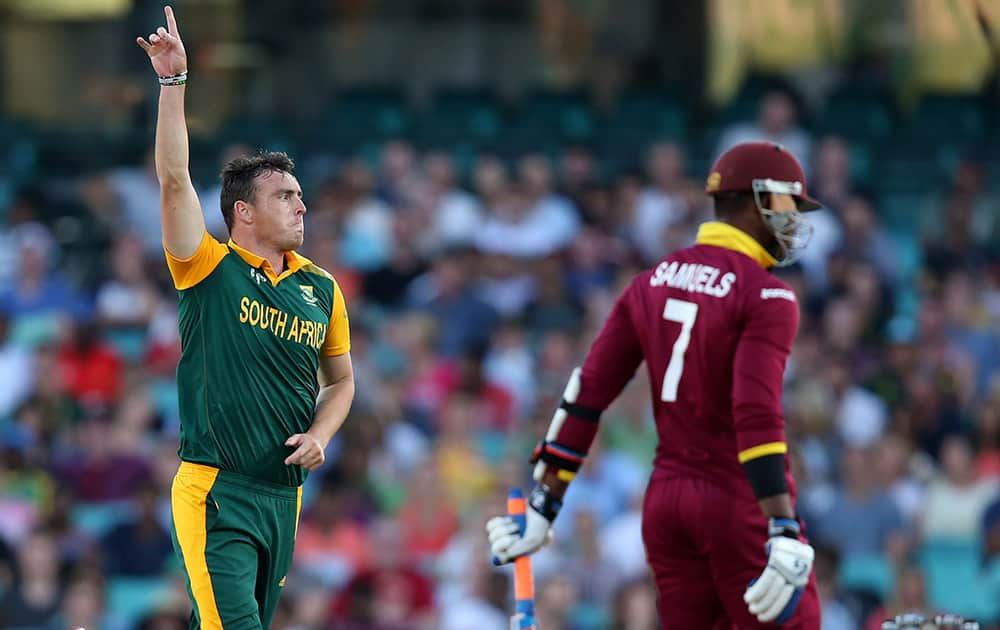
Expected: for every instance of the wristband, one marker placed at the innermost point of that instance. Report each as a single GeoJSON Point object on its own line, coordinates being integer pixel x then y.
{"type": "Point", "coordinates": [544, 503]}
{"type": "Point", "coordinates": [787, 527]}
{"type": "Point", "coordinates": [177, 79]}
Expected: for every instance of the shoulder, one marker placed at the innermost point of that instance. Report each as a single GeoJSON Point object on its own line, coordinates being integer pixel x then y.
{"type": "Point", "coordinates": [769, 298]}
{"type": "Point", "coordinates": [312, 268]}
{"type": "Point", "coordinates": [322, 278]}
{"type": "Point", "coordinates": [770, 287]}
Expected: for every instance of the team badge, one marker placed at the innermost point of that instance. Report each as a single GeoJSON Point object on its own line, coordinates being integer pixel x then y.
{"type": "Point", "coordinates": [714, 180]}
{"type": "Point", "coordinates": [307, 294]}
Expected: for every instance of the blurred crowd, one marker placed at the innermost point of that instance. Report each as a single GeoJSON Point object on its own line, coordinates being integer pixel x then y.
{"type": "Point", "coordinates": [474, 289]}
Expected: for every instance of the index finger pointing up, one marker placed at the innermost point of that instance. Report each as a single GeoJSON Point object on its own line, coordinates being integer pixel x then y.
{"type": "Point", "coordinates": [171, 21]}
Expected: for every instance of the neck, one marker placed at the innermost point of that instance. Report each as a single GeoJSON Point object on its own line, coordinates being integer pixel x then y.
{"type": "Point", "coordinates": [252, 243]}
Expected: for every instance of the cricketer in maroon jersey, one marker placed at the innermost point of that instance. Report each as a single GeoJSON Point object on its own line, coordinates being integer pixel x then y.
{"type": "Point", "coordinates": [715, 329]}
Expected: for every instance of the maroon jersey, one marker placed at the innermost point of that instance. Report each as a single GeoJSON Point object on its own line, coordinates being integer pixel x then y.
{"type": "Point", "coordinates": [715, 328]}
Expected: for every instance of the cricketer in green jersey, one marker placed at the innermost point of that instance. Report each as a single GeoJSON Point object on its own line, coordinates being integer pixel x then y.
{"type": "Point", "coordinates": [265, 377]}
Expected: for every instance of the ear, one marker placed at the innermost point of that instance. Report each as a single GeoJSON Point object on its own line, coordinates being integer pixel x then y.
{"type": "Point", "coordinates": [242, 212]}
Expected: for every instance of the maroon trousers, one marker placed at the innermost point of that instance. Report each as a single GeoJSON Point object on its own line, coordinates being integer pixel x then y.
{"type": "Point", "coordinates": [704, 547]}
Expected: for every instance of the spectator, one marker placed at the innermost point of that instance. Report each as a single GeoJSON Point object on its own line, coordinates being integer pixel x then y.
{"type": "Point", "coordinates": [332, 544]}
{"type": "Point", "coordinates": [967, 333]}
{"type": "Point", "coordinates": [366, 237]}
{"type": "Point", "coordinates": [862, 519]}
{"type": "Point", "coordinates": [464, 471]}
{"type": "Point", "coordinates": [988, 434]}
{"type": "Point", "coordinates": [594, 578]}
{"type": "Point", "coordinates": [589, 267]}
{"type": "Point", "coordinates": [17, 371]}
{"type": "Point", "coordinates": [137, 192]}
{"type": "Point", "coordinates": [831, 182]}
{"type": "Point", "coordinates": [447, 294]}
{"type": "Point", "coordinates": [836, 615]}
{"type": "Point", "coordinates": [456, 214]}
{"type": "Point", "coordinates": [427, 519]}
{"type": "Point", "coordinates": [127, 302]}
{"type": "Point", "coordinates": [955, 244]}
{"type": "Point", "coordinates": [864, 238]}
{"type": "Point", "coordinates": [37, 592]}
{"type": "Point", "coordinates": [484, 607]}
{"type": "Point", "coordinates": [578, 175]}
{"type": "Point", "coordinates": [506, 284]}
{"type": "Point", "coordinates": [40, 297]}
{"type": "Point", "coordinates": [776, 122]}
{"type": "Point", "coordinates": [84, 606]}
{"type": "Point", "coordinates": [510, 364]}
{"type": "Point", "coordinates": [860, 415]}
{"type": "Point", "coordinates": [555, 599]}
{"type": "Point", "coordinates": [548, 208]}
{"type": "Point", "coordinates": [91, 369]}
{"type": "Point", "coordinates": [910, 596]}
{"type": "Point", "coordinates": [956, 500]}
{"type": "Point", "coordinates": [894, 460]}
{"type": "Point", "coordinates": [531, 221]}
{"type": "Point", "coordinates": [96, 471]}
{"type": "Point", "coordinates": [391, 595]}
{"type": "Point", "coordinates": [141, 546]}
{"type": "Point", "coordinates": [662, 203]}
{"type": "Point", "coordinates": [310, 610]}
{"type": "Point", "coordinates": [398, 177]}
{"type": "Point", "coordinates": [387, 286]}
{"type": "Point", "coordinates": [831, 185]}
{"type": "Point", "coordinates": [553, 307]}
{"type": "Point", "coordinates": [621, 543]}
{"type": "Point", "coordinates": [634, 606]}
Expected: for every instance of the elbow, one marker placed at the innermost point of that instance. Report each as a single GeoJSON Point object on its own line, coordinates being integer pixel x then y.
{"type": "Point", "coordinates": [172, 179]}
{"type": "Point", "coordinates": [344, 386]}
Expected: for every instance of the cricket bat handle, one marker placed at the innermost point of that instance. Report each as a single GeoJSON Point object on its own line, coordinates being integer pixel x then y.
{"type": "Point", "coordinates": [524, 581]}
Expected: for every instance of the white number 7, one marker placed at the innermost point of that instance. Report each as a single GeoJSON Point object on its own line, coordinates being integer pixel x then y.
{"type": "Point", "coordinates": [683, 313]}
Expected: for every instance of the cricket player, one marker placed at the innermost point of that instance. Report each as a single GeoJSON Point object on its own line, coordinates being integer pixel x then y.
{"type": "Point", "coordinates": [265, 376]}
{"type": "Point", "coordinates": [715, 328]}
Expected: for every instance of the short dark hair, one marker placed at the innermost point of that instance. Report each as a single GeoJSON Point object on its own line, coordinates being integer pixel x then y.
{"type": "Point", "coordinates": [729, 204]}
{"type": "Point", "coordinates": [240, 174]}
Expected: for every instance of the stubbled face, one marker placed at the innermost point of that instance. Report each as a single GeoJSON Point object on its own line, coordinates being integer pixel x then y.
{"type": "Point", "coordinates": [277, 211]}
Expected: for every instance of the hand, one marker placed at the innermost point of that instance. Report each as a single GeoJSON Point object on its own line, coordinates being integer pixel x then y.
{"type": "Point", "coordinates": [775, 595]}
{"type": "Point", "coordinates": [309, 452]}
{"type": "Point", "coordinates": [507, 542]}
{"type": "Point", "coordinates": [165, 49]}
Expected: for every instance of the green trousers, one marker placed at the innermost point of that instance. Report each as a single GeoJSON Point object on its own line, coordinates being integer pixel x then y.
{"type": "Point", "coordinates": [235, 537]}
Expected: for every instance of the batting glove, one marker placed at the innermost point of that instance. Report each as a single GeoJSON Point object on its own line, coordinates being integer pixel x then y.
{"type": "Point", "coordinates": [507, 542]}
{"type": "Point", "coordinates": [775, 595]}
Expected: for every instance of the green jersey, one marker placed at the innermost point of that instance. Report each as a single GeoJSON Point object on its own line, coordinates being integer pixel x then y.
{"type": "Point", "coordinates": [251, 342]}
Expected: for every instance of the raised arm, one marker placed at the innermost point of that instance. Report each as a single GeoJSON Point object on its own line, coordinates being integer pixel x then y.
{"type": "Point", "coordinates": [180, 211]}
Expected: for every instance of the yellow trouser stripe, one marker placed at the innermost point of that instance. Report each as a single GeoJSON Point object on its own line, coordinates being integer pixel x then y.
{"type": "Point", "coordinates": [187, 499]}
{"type": "Point", "coordinates": [298, 510]}
{"type": "Point", "coordinates": [771, 448]}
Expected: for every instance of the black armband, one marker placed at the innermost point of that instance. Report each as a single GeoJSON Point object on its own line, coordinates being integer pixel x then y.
{"type": "Point", "coordinates": [766, 475]}
{"type": "Point", "coordinates": [558, 456]}
{"type": "Point", "coordinates": [580, 411]}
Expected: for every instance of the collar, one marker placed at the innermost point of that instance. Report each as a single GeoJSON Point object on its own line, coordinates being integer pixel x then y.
{"type": "Point", "coordinates": [724, 235]}
{"type": "Point", "coordinates": [293, 262]}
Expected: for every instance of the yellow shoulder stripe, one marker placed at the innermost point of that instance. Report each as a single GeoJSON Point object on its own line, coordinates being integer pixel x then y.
{"type": "Point", "coordinates": [771, 448]}
{"type": "Point", "coordinates": [187, 272]}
